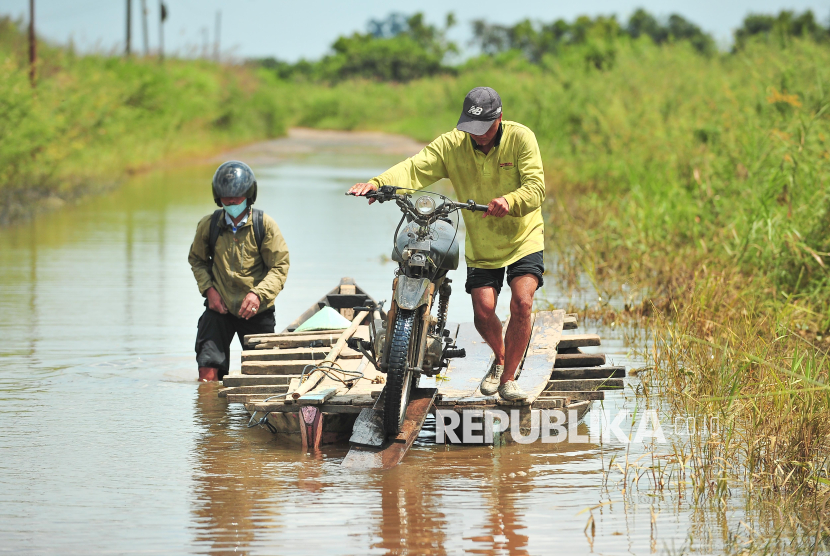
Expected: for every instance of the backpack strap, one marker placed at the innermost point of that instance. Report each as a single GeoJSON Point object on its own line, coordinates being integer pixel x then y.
{"type": "Point", "coordinates": [259, 227]}
{"type": "Point", "coordinates": [214, 232]}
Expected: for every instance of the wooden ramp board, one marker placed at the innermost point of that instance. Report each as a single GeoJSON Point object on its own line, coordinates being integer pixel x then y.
{"type": "Point", "coordinates": [393, 450]}
{"type": "Point", "coordinates": [541, 353]}
{"type": "Point", "coordinates": [463, 376]}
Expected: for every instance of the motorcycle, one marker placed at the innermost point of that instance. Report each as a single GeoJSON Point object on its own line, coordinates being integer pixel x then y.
{"type": "Point", "coordinates": [411, 341]}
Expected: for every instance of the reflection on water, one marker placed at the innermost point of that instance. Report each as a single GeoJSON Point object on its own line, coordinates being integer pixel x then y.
{"type": "Point", "coordinates": [109, 445]}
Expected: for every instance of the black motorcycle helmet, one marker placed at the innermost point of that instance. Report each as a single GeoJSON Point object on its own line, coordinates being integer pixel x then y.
{"type": "Point", "coordinates": [234, 179]}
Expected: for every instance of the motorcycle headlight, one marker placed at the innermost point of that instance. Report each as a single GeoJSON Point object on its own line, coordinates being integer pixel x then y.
{"type": "Point", "coordinates": [425, 205]}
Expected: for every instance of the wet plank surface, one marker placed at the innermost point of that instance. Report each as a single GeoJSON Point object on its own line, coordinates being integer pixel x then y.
{"type": "Point", "coordinates": [464, 375]}
{"type": "Point", "coordinates": [393, 450]}
{"type": "Point", "coordinates": [541, 352]}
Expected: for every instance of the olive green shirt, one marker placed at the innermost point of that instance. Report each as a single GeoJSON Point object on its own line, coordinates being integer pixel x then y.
{"type": "Point", "coordinates": [239, 266]}
{"type": "Point", "coordinates": [512, 169]}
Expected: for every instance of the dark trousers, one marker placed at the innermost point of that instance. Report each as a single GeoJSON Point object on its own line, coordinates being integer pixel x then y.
{"type": "Point", "coordinates": [215, 334]}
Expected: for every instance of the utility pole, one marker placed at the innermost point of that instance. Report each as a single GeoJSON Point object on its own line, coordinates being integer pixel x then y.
{"type": "Point", "coordinates": [217, 33]}
{"type": "Point", "coordinates": [32, 43]}
{"type": "Point", "coordinates": [129, 27]}
{"type": "Point", "coordinates": [144, 27]}
{"type": "Point", "coordinates": [162, 17]}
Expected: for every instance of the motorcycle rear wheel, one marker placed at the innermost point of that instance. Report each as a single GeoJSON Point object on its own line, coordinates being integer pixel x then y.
{"type": "Point", "coordinates": [399, 379]}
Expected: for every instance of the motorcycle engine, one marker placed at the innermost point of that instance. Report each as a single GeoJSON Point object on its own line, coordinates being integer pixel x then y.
{"type": "Point", "coordinates": [432, 355]}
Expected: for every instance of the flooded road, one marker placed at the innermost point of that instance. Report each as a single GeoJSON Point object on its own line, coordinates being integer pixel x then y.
{"type": "Point", "coordinates": [109, 445]}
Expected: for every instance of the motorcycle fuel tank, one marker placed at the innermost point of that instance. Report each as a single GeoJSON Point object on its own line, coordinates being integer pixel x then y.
{"type": "Point", "coordinates": [443, 244]}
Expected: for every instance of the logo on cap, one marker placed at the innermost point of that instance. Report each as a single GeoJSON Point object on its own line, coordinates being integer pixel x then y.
{"type": "Point", "coordinates": [475, 110]}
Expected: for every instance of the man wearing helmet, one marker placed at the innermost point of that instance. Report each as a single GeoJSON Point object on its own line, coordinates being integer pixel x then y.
{"type": "Point", "coordinates": [497, 163]}
{"type": "Point", "coordinates": [240, 261]}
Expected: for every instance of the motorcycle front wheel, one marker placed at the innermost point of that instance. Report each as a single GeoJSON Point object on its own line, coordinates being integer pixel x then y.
{"type": "Point", "coordinates": [399, 379]}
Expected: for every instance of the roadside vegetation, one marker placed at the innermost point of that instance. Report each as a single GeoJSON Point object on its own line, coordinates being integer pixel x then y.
{"type": "Point", "coordinates": [674, 168]}
{"type": "Point", "coordinates": [695, 175]}
{"type": "Point", "coordinates": [91, 119]}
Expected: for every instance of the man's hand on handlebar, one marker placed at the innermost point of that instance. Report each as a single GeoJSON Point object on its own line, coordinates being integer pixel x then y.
{"type": "Point", "coordinates": [497, 207]}
{"type": "Point", "coordinates": [361, 189]}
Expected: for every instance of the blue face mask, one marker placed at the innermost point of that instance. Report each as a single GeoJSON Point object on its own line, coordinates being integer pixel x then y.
{"type": "Point", "coordinates": [235, 210]}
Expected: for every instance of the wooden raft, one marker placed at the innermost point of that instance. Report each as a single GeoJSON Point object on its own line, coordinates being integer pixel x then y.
{"type": "Point", "coordinates": [554, 372]}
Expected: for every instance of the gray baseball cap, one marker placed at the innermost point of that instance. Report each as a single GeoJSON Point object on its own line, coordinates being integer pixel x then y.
{"type": "Point", "coordinates": [482, 106]}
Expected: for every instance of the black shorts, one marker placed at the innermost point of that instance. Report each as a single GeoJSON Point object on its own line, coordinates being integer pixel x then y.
{"type": "Point", "coordinates": [494, 277]}
{"type": "Point", "coordinates": [215, 334]}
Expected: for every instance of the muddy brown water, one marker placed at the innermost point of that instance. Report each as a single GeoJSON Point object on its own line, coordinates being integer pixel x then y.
{"type": "Point", "coordinates": [109, 445]}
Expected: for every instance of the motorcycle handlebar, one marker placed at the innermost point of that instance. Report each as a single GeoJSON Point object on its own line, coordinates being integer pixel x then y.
{"type": "Point", "coordinates": [389, 195]}
{"type": "Point", "coordinates": [471, 205]}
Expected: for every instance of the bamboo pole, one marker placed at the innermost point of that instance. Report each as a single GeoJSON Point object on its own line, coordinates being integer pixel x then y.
{"type": "Point", "coordinates": [315, 377]}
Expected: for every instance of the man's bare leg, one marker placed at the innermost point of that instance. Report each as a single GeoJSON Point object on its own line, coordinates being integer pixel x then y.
{"type": "Point", "coordinates": [208, 374]}
{"type": "Point", "coordinates": [486, 322]}
{"type": "Point", "coordinates": [518, 329]}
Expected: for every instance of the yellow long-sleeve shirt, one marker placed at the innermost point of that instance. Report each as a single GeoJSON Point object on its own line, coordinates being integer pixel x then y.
{"type": "Point", "coordinates": [512, 169]}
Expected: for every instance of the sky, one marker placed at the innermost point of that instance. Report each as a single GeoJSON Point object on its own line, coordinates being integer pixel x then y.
{"type": "Point", "coordinates": [305, 29]}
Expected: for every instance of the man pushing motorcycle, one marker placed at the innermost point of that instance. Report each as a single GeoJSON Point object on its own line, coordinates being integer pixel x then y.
{"type": "Point", "coordinates": [498, 163]}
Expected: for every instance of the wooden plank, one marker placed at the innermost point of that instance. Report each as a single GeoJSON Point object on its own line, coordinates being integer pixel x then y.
{"type": "Point", "coordinates": [255, 339]}
{"type": "Point", "coordinates": [298, 341]}
{"type": "Point", "coordinates": [585, 384]}
{"type": "Point", "coordinates": [587, 372]}
{"type": "Point", "coordinates": [256, 380]}
{"type": "Point", "coordinates": [464, 375]}
{"type": "Point", "coordinates": [312, 354]}
{"type": "Point", "coordinates": [274, 367]}
{"type": "Point", "coordinates": [363, 400]}
{"type": "Point", "coordinates": [570, 322]}
{"type": "Point", "coordinates": [579, 340]}
{"type": "Point", "coordinates": [317, 397]}
{"type": "Point", "coordinates": [541, 353]}
{"type": "Point", "coordinates": [393, 450]}
{"type": "Point", "coordinates": [348, 289]}
{"type": "Point", "coordinates": [248, 398]}
{"type": "Point", "coordinates": [340, 400]}
{"type": "Point", "coordinates": [565, 360]}
{"type": "Point", "coordinates": [589, 395]}
{"type": "Point", "coordinates": [478, 400]}
{"type": "Point", "coordinates": [264, 390]}
{"type": "Point", "coordinates": [278, 406]}
{"type": "Point", "coordinates": [545, 402]}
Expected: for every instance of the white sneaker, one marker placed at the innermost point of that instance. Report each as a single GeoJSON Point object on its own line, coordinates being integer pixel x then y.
{"type": "Point", "coordinates": [490, 382]}
{"type": "Point", "coordinates": [511, 392]}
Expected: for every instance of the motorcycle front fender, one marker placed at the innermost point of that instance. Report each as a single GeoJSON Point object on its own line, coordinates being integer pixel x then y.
{"type": "Point", "coordinates": [411, 293]}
